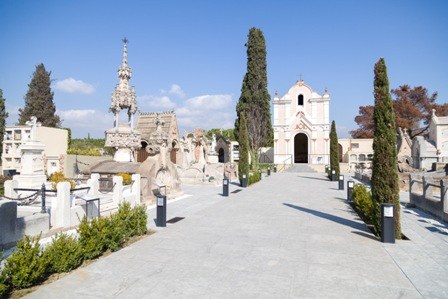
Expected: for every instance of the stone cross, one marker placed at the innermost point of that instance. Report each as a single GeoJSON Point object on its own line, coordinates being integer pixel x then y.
{"type": "Point", "coordinates": [34, 124]}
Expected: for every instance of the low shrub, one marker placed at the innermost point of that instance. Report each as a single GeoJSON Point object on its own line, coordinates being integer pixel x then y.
{"type": "Point", "coordinates": [134, 220]}
{"type": "Point", "coordinates": [26, 265]}
{"type": "Point", "coordinates": [127, 178]}
{"type": "Point", "coordinates": [92, 237]}
{"type": "Point", "coordinates": [111, 233]}
{"type": "Point", "coordinates": [362, 200]}
{"type": "Point", "coordinates": [57, 177]}
{"type": "Point", "coordinates": [253, 178]}
{"type": "Point", "coordinates": [63, 254]}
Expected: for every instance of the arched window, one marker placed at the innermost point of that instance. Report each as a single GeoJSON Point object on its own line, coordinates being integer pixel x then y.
{"type": "Point", "coordinates": [300, 100]}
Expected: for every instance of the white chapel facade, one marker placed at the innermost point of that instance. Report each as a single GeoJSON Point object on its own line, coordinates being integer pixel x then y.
{"type": "Point", "coordinates": [302, 126]}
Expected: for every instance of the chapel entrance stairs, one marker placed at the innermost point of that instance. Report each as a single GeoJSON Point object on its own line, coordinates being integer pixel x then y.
{"type": "Point", "coordinates": [300, 168]}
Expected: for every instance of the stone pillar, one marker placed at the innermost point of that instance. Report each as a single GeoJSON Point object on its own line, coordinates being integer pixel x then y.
{"type": "Point", "coordinates": [117, 196]}
{"type": "Point", "coordinates": [135, 188]}
{"type": "Point", "coordinates": [9, 188]}
{"type": "Point", "coordinates": [94, 184]}
{"type": "Point", "coordinates": [60, 208]}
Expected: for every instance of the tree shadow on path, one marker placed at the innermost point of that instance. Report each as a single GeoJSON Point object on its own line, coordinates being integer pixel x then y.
{"type": "Point", "coordinates": [337, 219]}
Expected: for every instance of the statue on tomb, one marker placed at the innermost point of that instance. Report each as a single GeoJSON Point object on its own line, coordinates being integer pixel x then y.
{"type": "Point", "coordinates": [158, 166]}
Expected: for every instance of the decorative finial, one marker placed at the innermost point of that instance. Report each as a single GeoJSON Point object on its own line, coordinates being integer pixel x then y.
{"type": "Point", "coordinates": [125, 40]}
{"type": "Point", "coordinates": [326, 90]}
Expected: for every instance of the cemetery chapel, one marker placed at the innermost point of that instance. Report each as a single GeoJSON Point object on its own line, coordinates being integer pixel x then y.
{"type": "Point", "coordinates": [301, 126]}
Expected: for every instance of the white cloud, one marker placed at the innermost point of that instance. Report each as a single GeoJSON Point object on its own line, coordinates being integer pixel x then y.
{"type": "Point", "coordinates": [86, 121]}
{"type": "Point", "coordinates": [71, 85]}
{"type": "Point", "coordinates": [206, 111]}
{"type": "Point", "coordinates": [203, 111]}
{"type": "Point", "coordinates": [210, 102]}
{"type": "Point", "coordinates": [176, 90]}
{"type": "Point", "coordinates": [163, 102]}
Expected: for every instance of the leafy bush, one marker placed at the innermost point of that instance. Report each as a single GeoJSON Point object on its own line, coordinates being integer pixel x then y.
{"type": "Point", "coordinates": [127, 178]}
{"type": "Point", "coordinates": [4, 286]}
{"type": "Point", "coordinates": [110, 233]}
{"type": "Point", "coordinates": [57, 177]}
{"type": "Point", "coordinates": [254, 177]}
{"type": "Point", "coordinates": [26, 266]}
{"type": "Point", "coordinates": [63, 254]}
{"type": "Point", "coordinates": [134, 220]}
{"type": "Point", "coordinates": [91, 237]}
{"type": "Point", "coordinates": [362, 200]}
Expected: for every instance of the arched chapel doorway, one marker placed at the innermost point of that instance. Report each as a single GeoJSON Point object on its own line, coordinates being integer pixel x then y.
{"type": "Point", "coordinates": [173, 152]}
{"type": "Point", "coordinates": [221, 155]}
{"type": "Point", "coordinates": [340, 152]}
{"type": "Point", "coordinates": [301, 148]}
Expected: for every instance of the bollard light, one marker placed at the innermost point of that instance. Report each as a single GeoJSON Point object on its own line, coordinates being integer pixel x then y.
{"type": "Point", "coordinates": [350, 185]}
{"type": "Point", "coordinates": [161, 210]}
{"type": "Point", "coordinates": [387, 223]}
{"type": "Point", "coordinates": [341, 182]}
{"type": "Point", "coordinates": [244, 181]}
{"type": "Point", "coordinates": [333, 175]}
{"type": "Point", "coordinates": [259, 172]}
{"type": "Point", "coordinates": [225, 187]}
{"type": "Point", "coordinates": [269, 171]}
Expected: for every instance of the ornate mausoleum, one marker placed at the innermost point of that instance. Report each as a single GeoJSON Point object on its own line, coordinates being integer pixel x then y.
{"type": "Point", "coordinates": [301, 126]}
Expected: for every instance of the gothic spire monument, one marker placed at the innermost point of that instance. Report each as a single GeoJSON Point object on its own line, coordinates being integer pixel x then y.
{"type": "Point", "coordinates": [123, 136]}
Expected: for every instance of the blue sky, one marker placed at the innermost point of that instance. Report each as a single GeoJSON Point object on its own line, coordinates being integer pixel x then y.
{"type": "Point", "coordinates": [190, 55]}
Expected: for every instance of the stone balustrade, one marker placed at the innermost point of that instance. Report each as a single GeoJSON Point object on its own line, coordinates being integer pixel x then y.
{"type": "Point", "coordinates": [428, 195]}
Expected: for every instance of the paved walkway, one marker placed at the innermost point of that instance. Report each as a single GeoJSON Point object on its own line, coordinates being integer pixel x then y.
{"type": "Point", "coordinates": [290, 235]}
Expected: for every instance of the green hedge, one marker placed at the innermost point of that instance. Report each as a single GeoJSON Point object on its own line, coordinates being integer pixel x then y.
{"type": "Point", "coordinates": [29, 265]}
{"type": "Point", "coordinates": [363, 203]}
{"type": "Point", "coordinates": [253, 178]}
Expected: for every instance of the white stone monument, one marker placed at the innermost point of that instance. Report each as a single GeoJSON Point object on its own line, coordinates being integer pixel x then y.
{"type": "Point", "coordinates": [123, 136]}
{"type": "Point", "coordinates": [32, 171]}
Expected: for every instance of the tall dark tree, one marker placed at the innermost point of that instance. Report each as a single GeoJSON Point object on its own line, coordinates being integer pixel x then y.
{"type": "Point", "coordinates": [39, 100]}
{"type": "Point", "coordinates": [334, 149]}
{"type": "Point", "coordinates": [384, 183]}
{"type": "Point", "coordinates": [413, 109]}
{"type": "Point", "coordinates": [3, 116]}
{"type": "Point", "coordinates": [255, 99]}
{"type": "Point", "coordinates": [243, 163]}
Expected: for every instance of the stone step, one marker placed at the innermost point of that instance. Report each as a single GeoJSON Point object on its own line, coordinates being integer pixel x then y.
{"type": "Point", "coordinates": [300, 168]}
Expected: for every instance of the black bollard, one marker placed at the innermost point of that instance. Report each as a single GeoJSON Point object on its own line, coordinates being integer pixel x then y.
{"type": "Point", "coordinates": [225, 187]}
{"type": "Point", "coordinates": [350, 185]}
{"type": "Point", "coordinates": [269, 171]}
{"type": "Point", "coordinates": [244, 181]}
{"type": "Point", "coordinates": [260, 173]}
{"type": "Point", "coordinates": [161, 210]}
{"type": "Point", "coordinates": [333, 175]}
{"type": "Point", "coordinates": [341, 182]}
{"type": "Point", "coordinates": [42, 196]}
{"type": "Point", "coordinates": [275, 168]}
{"type": "Point", "coordinates": [387, 223]}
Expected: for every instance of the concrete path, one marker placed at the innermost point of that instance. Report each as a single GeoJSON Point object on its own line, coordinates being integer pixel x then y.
{"type": "Point", "coordinates": [290, 235]}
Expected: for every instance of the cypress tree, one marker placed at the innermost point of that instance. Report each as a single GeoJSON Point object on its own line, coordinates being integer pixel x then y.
{"type": "Point", "coordinates": [3, 116]}
{"type": "Point", "coordinates": [384, 173]}
{"type": "Point", "coordinates": [243, 163]}
{"type": "Point", "coordinates": [334, 153]}
{"type": "Point", "coordinates": [255, 98]}
{"type": "Point", "coordinates": [39, 100]}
